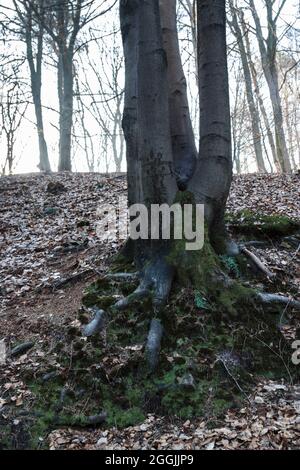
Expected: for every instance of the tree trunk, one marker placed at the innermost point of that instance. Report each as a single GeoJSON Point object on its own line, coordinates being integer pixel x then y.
{"type": "Point", "coordinates": [44, 163]}
{"type": "Point", "coordinates": [281, 147]}
{"type": "Point", "coordinates": [212, 178]}
{"type": "Point", "coordinates": [129, 28]}
{"type": "Point", "coordinates": [249, 93]}
{"type": "Point", "coordinates": [182, 134]}
{"type": "Point", "coordinates": [36, 85]}
{"type": "Point", "coordinates": [259, 98]}
{"type": "Point", "coordinates": [268, 58]}
{"type": "Point", "coordinates": [66, 112]}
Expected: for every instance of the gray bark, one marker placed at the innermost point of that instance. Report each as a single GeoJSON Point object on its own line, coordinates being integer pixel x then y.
{"type": "Point", "coordinates": [66, 111]}
{"type": "Point", "coordinates": [182, 134]}
{"type": "Point", "coordinates": [155, 157]}
{"type": "Point", "coordinates": [212, 178]}
{"type": "Point", "coordinates": [259, 97]}
{"type": "Point", "coordinates": [268, 57]}
{"type": "Point", "coordinates": [66, 43]}
{"type": "Point", "coordinates": [35, 67]}
{"type": "Point", "coordinates": [146, 121]}
{"type": "Point", "coordinates": [129, 28]}
{"type": "Point", "coordinates": [254, 113]}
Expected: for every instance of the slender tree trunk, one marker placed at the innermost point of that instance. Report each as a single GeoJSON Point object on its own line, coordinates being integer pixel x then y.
{"type": "Point", "coordinates": [130, 33]}
{"type": "Point", "coordinates": [268, 58]}
{"type": "Point", "coordinates": [36, 86]}
{"type": "Point", "coordinates": [282, 151]}
{"type": "Point", "coordinates": [289, 126]}
{"type": "Point", "coordinates": [154, 137]}
{"type": "Point", "coordinates": [212, 179]}
{"type": "Point", "coordinates": [10, 152]}
{"type": "Point", "coordinates": [182, 134]}
{"type": "Point", "coordinates": [259, 97]}
{"type": "Point", "coordinates": [44, 163]}
{"type": "Point", "coordinates": [66, 112]}
{"type": "Point", "coordinates": [254, 113]}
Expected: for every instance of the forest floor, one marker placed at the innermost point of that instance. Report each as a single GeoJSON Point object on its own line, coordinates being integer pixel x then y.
{"type": "Point", "coordinates": [50, 252]}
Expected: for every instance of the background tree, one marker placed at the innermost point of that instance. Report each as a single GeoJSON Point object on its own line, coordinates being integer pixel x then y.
{"type": "Point", "coordinates": [12, 109]}
{"type": "Point", "coordinates": [268, 52]}
{"type": "Point", "coordinates": [33, 32]}
{"type": "Point", "coordinates": [65, 20]}
{"type": "Point", "coordinates": [102, 90]}
{"type": "Point", "coordinates": [253, 109]}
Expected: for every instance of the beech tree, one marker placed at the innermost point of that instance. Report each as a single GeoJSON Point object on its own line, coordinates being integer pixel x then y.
{"type": "Point", "coordinates": [163, 166]}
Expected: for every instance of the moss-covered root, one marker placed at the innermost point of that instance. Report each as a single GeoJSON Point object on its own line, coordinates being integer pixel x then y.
{"type": "Point", "coordinates": [154, 343]}
{"type": "Point", "coordinates": [270, 299]}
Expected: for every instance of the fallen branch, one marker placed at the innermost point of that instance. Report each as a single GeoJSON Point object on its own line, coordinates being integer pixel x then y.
{"type": "Point", "coordinates": [258, 243]}
{"type": "Point", "coordinates": [258, 263]}
{"type": "Point", "coordinates": [21, 349]}
{"type": "Point", "coordinates": [73, 278]}
{"type": "Point", "coordinates": [122, 276]}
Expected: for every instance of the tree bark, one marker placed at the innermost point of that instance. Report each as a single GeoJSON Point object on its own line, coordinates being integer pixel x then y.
{"type": "Point", "coordinates": [268, 57]}
{"type": "Point", "coordinates": [130, 33]}
{"type": "Point", "coordinates": [182, 134]}
{"type": "Point", "coordinates": [35, 67]}
{"type": "Point", "coordinates": [259, 97]}
{"type": "Point", "coordinates": [254, 113]}
{"type": "Point", "coordinates": [212, 178]}
{"type": "Point", "coordinates": [155, 159]}
{"type": "Point", "coordinates": [66, 111]}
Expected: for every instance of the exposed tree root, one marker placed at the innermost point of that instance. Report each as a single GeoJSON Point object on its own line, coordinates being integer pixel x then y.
{"type": "Point", "coordinates": [266, 298]}
{"type": "Point", "coordinates": [122, 276]}
{"type": "Point", "coordinates": [141, 292]}
{"type": "Point", "coordinates": [155, 284]}
{"type": "Point", "coordinates": [153, 343]}
{"type": "Point", "coordinates": [159, 275]}
{"type": "Point", "coordinates": [97, 324]}
{"type": "Point", "coordinates": [201, 270]}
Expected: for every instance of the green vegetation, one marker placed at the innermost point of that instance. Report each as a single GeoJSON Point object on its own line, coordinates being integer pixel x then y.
{"type": "Point", "coordinates": [216, 342]}
{"type": "Point", "coordinates": [261, 225]}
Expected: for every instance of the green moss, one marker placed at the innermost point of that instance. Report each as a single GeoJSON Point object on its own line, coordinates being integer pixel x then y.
{"type": "Point", "coordinates": [261, 225]}
{"type": "Point", "coordinates": [122, 264]}
{"type": "Point", "coordinates": [208, 313]}
{"type": "Point", "coordinates": [121, 418]}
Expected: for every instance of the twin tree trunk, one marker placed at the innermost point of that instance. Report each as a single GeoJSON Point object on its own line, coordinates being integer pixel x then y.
{"type": "Point", "coordinates": [161, 151]}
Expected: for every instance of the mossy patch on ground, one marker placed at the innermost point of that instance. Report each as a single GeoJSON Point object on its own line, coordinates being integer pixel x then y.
{"type": "Point", "coordinates": [217, 342]}
{"type": "Point", "coordinates": [214, 348]}
{"type": "Point", "coordinates": [261, 225]}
